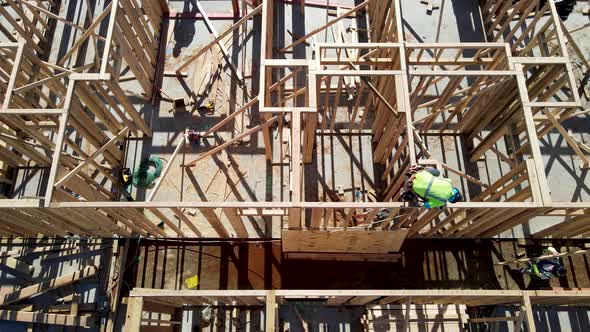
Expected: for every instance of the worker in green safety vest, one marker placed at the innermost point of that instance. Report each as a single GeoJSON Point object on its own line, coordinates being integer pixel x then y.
{"type": "Point", "coordinates": [546, 268]}
{"type": "Point", "coordinates": [433, 190]}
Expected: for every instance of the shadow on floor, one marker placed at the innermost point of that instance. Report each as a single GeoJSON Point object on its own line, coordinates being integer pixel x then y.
{"type": "Point", "coordinates": [425, 264]}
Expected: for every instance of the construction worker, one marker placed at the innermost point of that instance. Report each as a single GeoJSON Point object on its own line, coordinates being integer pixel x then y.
{"type": "Point", "coordinates": [546, 268]}
{"type": "Point", "coordinates": [432, 190]}
{"type": "Point", "coordinates": [564, 7]}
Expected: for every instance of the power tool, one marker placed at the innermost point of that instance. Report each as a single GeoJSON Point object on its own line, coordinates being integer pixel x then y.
{"type": "Point", "coordinates": [194, 136]}
{"type": "Point", "coordinates": [208, 107]}
{"type": "Point", "coordinates": [125, 176]}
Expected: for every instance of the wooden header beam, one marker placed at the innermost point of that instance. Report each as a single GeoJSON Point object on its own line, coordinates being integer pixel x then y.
{"type": "Point", "coordinates": [468, 297]}
{"type": "Point", "coordinates": [282, 205]}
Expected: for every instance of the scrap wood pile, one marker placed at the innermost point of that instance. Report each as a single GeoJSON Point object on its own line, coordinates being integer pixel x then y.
{"type": "Point", "coordinates": [42, 284]}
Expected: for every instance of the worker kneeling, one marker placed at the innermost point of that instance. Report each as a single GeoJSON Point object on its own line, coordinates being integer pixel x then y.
{"type": "Point", "coordinates": [432, 190]}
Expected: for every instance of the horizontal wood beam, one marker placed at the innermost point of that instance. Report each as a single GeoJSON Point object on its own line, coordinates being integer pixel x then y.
{"type": "Point", "coordinates": [86, 321]}
{"type": "Point", "coordinates": [232, 141]}
{"type": "Point", "coordinates": [325, 26]}
{"type": "Point", "coordinates": [91, 158]}
{"type": "Point", "coordinates": [284, 205]}
{"type": "Point", "coordinates": [220, 37]}
{"type": "Point", "coordinates": [47, 285]}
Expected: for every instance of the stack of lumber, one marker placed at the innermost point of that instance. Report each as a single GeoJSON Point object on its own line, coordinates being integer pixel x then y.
{"type": "Point", "coordinates": [418, 317]}
{"type": "Point", "coordinates": [39, 299]}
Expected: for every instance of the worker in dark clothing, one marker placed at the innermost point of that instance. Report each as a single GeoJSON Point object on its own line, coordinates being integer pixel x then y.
{"type": "Point", "coordinates": [546, 268]}
{"type": "Point", "coordinates": [564, 7]}
{"type": "Point", "coordinates": [427, 188]}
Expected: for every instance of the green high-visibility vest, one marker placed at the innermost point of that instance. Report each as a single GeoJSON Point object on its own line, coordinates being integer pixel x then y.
{"type": "Point", "coordinates": [433, 189]}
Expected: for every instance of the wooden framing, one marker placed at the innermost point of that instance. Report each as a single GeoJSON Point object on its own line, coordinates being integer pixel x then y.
{"type": "Point", "coordinates": [148, 300]}
{"type": "Point", "coordinates": [64, 303]}
{"type": "Point", "coordinates": [509, 86]}
{"type": "Point", "coordinates": [39, 91]}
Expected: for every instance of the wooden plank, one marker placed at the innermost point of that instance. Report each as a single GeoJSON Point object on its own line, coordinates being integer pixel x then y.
{"type": "Point", "coordinates": [16, 265]}
{"type": "Point", "coordinates": [89, 31]}
{"type": "Point", "coordinates": [48, 79]}
{"type": "Point", "coordinates": [140, 224]}
{"type": "Point", "coordinates": [380, 96]}
{"type": "Point", "coordinates": [86, 321]}
{"type": "Point", "coordinates": [167, 221]}
{"type": "Point", "coordinates": [181, 143]}
{"type": "Point", "coordinates": [180, 215]}
{"type": "Point", "coordinates": [115, 284]}
{"type": "Point", "coordinates": [224, 51]}
{"type": "Point", "coordinates": [215, 222]}
{"type": "Point", "coordinates": [225, 121]}
{"type": "Point", "coordinates": [390, 299]}
{"type": "Point", "coordinates": [317, 216]}
{"type": "Point", "coordinates": [492, 319]}
{"type": "Point", "coordinates": [361, 300]}
{"type": "Point", "coordinates": [63, 119]}
{"type": "Point", "coordinates": [532, 137]}
{"type": "Point", "coordinates": [338, 300]}
{"type": "Point", "coordinates": [570, 141]}
{"type": "Point", "coordinates": [270, 312]}
{"type": "Point", "coordinates": [351, 241]}
{"type": "Point", "coordinates": [519, 320]}
{"type": "Point", "coordinates": [407, 314]}
{"type": "Point", "coordinates": [113, 8]}
{"type": "Point", "coordinates": [22, 33]}
{"type": "Point", "coordinates": [562, 254]}
{"type": "Point", "coordinates": [34, 250]}
{"type": "Point", "coordinates": [91, 158]}
{"type": "Point", "coordinates": [134, 314]}
{"type": "Point", "coordinates": [56, 17]}
{"type": "Point", "coordinates": [144, 73]}
{"type": "Point", "coordinates": [233, 141]}
{"type": "Point", "coordinates": [93, 250]}
{"type": "Point", "coordinates": [286, 205]}
{"type": "Point", "coordinates": [121, 97]}
{"type": "Point", "coordinates": [296, 169]}
{"type": "Point", "coordinates": [343, 257]}
{"type": "Point", "coordinates": [220, 37]}
{"type": "Point", "coordinates": [13, 74]}
{"type": "Point", "coordinates": [311, 123]}
{"type": "Point", "coordinates": [236, 222]}
{"type": "Point", "coordinates": [325, 26]}
{"type": "Point", "coordinates": [47, 285]}
{"type": "Point", "coordinates": [146, 40]}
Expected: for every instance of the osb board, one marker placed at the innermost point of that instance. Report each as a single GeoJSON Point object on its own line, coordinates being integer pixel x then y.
{"type": "Point", "coordinates": [349, 241]}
